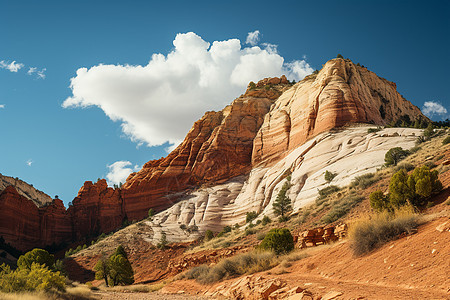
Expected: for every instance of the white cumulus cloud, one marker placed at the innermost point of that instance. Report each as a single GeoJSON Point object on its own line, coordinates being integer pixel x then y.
{"type": "Point", "coordinates": [119, 171]}
{"type": "Point", "coordinates": [252, 38]}
{"type": "Point", "coordinates": [12, 67]}
{"type": "Point", "coordinates": [431, 109]}
{"type": "Point", "coordinates": [158, 102]}
{"type": "Point", "coordinates": [2, 105]}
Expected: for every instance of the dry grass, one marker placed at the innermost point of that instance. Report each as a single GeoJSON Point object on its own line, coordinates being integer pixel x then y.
{"type": "Point", "coordinates": [247, 263]}
{"type": "Point", "coordinates": [80, 292]}
{"type": "Point", "coordinates": [370, 233]}
{"type": "Point", "coordinates": [136, 288]}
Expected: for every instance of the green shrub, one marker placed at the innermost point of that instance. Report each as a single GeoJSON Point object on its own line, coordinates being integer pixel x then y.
{"type": "Point", "coordinates": [35, 278]}
{"type": "Point", "coordinates": [446, 140]}
{"type": "Point", "coordinates": [372, 130]}
{"type": "Point", "coordinates": [251, 85]}
{"type": "Point", "coordinates": [162, 242]}
{"type": "Point", "coordinates": [38, 256]}
{"type": "Point", "coordinates": [378, 201]}
{"type": "Point", "coordinates": [415, 188]}
{"type": "Point", "coordinates": [328, 191]}
{"type": "Point", "coordinates": [329, 176]}
{"type": "Point", "coordinates": [278, 240]}
{"type": "Point", "coordinates": [251, 215]}
{"type": "Point", "coordinates": [151, 213]}
{"type": "Point", "coordinates": [370, 234]}
{"type": "Point", "coordinates": [339, 56]}
{"type": "Point", "coordinates": [429, 131]}
{"type": "Point", "coordinates": [225, 230]}
{"type": "Point", "coordinates": [394, 155]}
{"type": "Point", "coordinates": [260, 236]}
{"type": "Point", "coordinates": [265, 220]}
{"type": "Point", "coordinates": [209, 235]}
{"type": "Point", "coordinates": [364, 181]}
{"type": "Point", "coordinates": [249, 231]}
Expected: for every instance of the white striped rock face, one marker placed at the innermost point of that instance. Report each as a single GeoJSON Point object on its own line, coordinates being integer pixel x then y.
{"type": "Point", "coordinates": [348, 152]}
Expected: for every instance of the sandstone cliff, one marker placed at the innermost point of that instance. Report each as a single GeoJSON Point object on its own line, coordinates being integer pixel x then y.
{"type": "Point", "coordinates": [232, 161]}
{"type": "Point", "coordinates": [217, 148]}
{"type": "Point", "coordinates": [341, 93]}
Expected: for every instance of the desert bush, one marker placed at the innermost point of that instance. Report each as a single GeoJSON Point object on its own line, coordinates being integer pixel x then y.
{"type": "Point", "coordinates": [429, 131]}
{"type": "Point", "coordinates": [209, 235]}
{"type": "Point", "coordinates": [367, 235]}
{"type": "Point", "coordinates": [250, 216]}
{"type": "Point", "coordinates": [247, 263]}
{"type": "Point", "coordinates": [36, 277]}
{"type": "Point", "coordinates": [329, 176]}
{"type": "Point", "coordinates": [327, 191]}
{"type": "Point", "coordinates": [430, 165]}
{"type": "Point", "coordinates": [364, 181]}
{"type": "Point", "coordinates": [266, 220]}
{"type": "Point", "coordinates": [249, 231]}
{"type": "Point", "coordinates": [38, 256]}
{"type": "Point", "coordinates": [394, 155]}
{"type": "Point", "coordinates": [151, 213]}
{"type": "Point", "coordinates": [378, 201]}
{"type": "Point", "coordinates": [278, 240]}
{"type": "Point", "coordinates": [260, 236]}
{"type": "Point", "coordinates": [341, 208]}
{"type": "Point", "coordinates": [415, 188]}
{"type": "Point", "coordinates": [446, 140]}
{"type": "Point", "coordinates": [225, 230]}
{"type": "Point", "coordinates": [372, 130]}
{"type": "Point", "coordinates": [404, 166]}
{"type": "Point", "coordinates": [162, 242]}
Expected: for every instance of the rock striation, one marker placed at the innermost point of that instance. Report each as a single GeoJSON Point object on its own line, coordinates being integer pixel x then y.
{"type": "Point", "coordinates": [217, 148]}
{"type": "Point", "coordinates": [341, 93]}
{"type": "Point", "coordinates": [232, 161]}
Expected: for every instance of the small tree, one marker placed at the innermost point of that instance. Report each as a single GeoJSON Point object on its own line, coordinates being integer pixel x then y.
{"type": "Point", "coordinates": [340, 56]}
{"type": "Point", "coordinates": [394, 155]}
{"type": "Point", "coordinates": [282, 204]}
{"type": "Point", "coordinates": [429, 131]}
{"type": "Point", "coordinates": [120, 271]}
{"type": "Point", "coordinates": [278, 240]}
{"type": "Point", "coordinates": [265, 220]}
{"type": "Point", "coordinates": [102, 269]}
{"type": "Point", "coordinates": [163, 242]}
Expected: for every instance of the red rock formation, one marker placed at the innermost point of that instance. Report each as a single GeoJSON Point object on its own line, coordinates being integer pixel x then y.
{"type": "Point", "coordinates": [96, 209]}
{"type": "Point", "coordinates": [218, 147]}
{"type": "Point", "coordinates": [25, 226]}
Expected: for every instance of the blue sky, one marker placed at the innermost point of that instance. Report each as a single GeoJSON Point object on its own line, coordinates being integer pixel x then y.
{"type": "Point", "coordinates": [56, 144]}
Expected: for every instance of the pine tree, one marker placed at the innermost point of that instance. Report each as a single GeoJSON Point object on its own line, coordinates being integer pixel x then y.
{"type": "Point", "coordinates": [282, 204]}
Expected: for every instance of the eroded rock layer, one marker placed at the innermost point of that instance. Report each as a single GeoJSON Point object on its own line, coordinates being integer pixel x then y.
{"type": "Point", "coordinates": [341, 93]}
{"type": "Point", "coordinates": [217, 148]}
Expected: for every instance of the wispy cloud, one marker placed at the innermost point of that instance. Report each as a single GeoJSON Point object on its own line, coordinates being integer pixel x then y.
{"type": "Point", "coordinates": [432, 109]}
{"type": "Point", "coordinates": [29, 162]}
{"type": "Point", "coordinates": [252, 38]}
{"type": "Point", "coordinates": [15, 67]}
{"type": "Point", "coordinates": [12, 67]}
{"type": "Point", "coordinates": [158, 102]}
{"type": "Point", "coordinates": [40, 74]}
{"type": "Point", "coordinates": [119, 171]}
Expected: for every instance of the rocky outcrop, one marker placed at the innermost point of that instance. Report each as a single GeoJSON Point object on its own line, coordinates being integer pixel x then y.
{"type": "Point", "coordinates": [341, 93]}
{"type": "Point", "coordinates": [24, 225]}
{"type": "Point", "coordinates": [217, 148]}
{"type": "Point", "coordinates": [27, 190]}
{"type": "Point", "coordinates": [96, 209]}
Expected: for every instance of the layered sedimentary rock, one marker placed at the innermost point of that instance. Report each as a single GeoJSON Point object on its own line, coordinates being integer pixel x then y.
{"type": "Point", "coordinates": [341, 93]}
{"type": "Point", "coordinates": [24, 225]}
{"type": "Point", "coordinates": [225, 204]}
{"type": "Point", "coordinates": [96, 209]}
{"type": "Point", "coordinates": [26, 190]}
{"type": "Point", "coordinates": [217, 148]}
